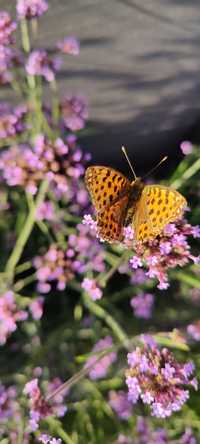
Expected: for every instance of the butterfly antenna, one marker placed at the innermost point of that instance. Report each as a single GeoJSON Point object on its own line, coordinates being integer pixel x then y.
{"type": "Point", "coordinates": [128, 160]}
{"type": "Point", "coordinates": [155, 168]}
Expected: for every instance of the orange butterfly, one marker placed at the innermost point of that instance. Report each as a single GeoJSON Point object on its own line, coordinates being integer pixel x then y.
{"type": "Point", "coordinates": [120, 202]}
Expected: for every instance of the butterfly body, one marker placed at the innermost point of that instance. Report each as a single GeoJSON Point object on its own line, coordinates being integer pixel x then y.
{"type": "Point", "coordinates": [120, 202]}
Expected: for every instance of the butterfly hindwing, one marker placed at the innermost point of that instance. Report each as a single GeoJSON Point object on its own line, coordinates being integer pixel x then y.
{"type": "Point", "coordinates": [157, 207]}
{"type": "Point", "coordinates": [105, 185]}
{"type": "Point", "coordinates": [110, 221]}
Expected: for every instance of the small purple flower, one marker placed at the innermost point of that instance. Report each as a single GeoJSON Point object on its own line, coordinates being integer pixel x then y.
{"type": "Point", "coordinates": [7, 27]}
{"type": "Point", "coordinates": [159, 381]}
{"type": "Point", "coordinates": [74, 112]}
{"type": "Point", "coordinates": [188, 437]}
{"type": "Point", "coordinates": [100, 369]}
{"type": "Point", "coordinates": [186, 147]}
{"type": "Point", "coordinates": [36, 308]}
{"type": "Point", "coordinates": [142, 305]}
{"type": "Point", "coordinates": [120, 404]}
{"type": "Point", "coordinates": [92, 289]}
{"type": "Point", "coordinates": [9, 316]}
{"type": "Point", "coordinates": [194, 330]}
{"type": "Point", "coordinates": [69, 45]}
{"type": "Point", "coordinates": [30, 9]}
{"type": "Point", "coordinates": [40, 64]}
{"type": "Point", "coordinates": [46, 211]}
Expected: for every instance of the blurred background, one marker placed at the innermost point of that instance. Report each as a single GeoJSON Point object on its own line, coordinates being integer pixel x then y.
{"type": "Point", "coordinates": [139, 71]}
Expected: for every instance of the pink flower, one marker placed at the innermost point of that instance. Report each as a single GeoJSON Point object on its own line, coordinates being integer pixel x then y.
{"type": "Point", "coordinates": [194, 330]}
{"type": "Point", "coordinates": [31, 8]}
{"type": "Point", "coordinates": [186, 147]}
{"type": "Point", "coordinates": [40, 64]}
{"type": "Point", "coordinates": [91, 287]}
{"type": "Point", "coordinates": [100, 369]}
{"type": "Point", "coordinates": [142, 305]}
{"type": "Point", "coordinates": [158, 379]}
{"type": "Point", "coordinates": [69, 45]}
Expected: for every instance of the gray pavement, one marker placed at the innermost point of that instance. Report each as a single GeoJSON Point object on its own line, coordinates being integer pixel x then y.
{"type": "Point", "coordinates": [139, 68]}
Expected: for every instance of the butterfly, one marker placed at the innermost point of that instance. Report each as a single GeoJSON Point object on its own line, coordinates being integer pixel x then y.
{"type": "Point", "coordinates": [120, 202]}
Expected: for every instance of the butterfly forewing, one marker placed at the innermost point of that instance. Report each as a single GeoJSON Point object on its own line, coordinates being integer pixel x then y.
{"type": "Point", "coordinates": [105, 185]}
{"type": "Point", "coordinates": [157, 207]}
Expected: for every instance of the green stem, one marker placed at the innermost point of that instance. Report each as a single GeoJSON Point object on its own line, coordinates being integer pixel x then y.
{"type": "Point", "coordinates": [56, 428]}
{"type": "Point", "coordinates": [108, 319]}
{"type": "Point", "coordinates": [25, 36]}
{"type": "Point", "coordinates": [24, 282]}
{"type": "Point", "coordinates": [23, 267]}
{"type": "Point", "coordinates": [187, 174]}
{"type": "Point", "coordinates": [25, 233]}
{"type": "Point", "coordinates": [188, 279]}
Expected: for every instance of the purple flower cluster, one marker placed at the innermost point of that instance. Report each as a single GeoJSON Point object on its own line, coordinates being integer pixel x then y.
{"type": "Point", "coordinates": [8, 55]}
{"type": "Point", "coordinates": [120, 404]}
{"type": "Point", "coordinates": [100, 369]}
{"type": "Point", "coordinates": [39, 407]}
{"type": "Point", "coordinates": [12, 120]}
{"type": "Point", "coordinates": [55, 265]}
{"type": "Point", "coordinates": [74, 112]}
{"type": "Point", "coordinates": [83, 254]}
{"type": "Point", "coordinates": [7, 27]}
{"type": "Point", "coordinates": [27, 166]}
{"type": "Point", "coordinates": [166, 252]}
{"type": "Point", "coordinates": [145, 435]}
{"type": "Point", "coordinates": [9, 316]}
{"type": "Point", "coordinates": [194, 330]}
{"type": "Point", "coordinates": [142, 305]}
{"type": "Point", "coordinates": [47, 439]}
{"type": "Point", "coordinates": [69, 45]}
{"type": "Point", "coordinates": [8, 404]}
{"type": "Point", "coordinates": [40, 63]}
{"type": "Point", "coordinates": [30, 9]}
{"type": "Point", "coordinates": [158, 379]}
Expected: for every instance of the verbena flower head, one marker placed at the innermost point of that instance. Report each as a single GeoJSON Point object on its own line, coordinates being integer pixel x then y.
{"type": "Point", "coordinates": [69, 45]}
{"type": "Point", "coordinates": [55, 265]}
{"type": "Point", "coordinates": [7, 27]}
{"type": "Point", "coordinates": [120, 404]}
{"type": "Point", "coordinates": [39, 407]}
{"type": "Point", "coordinates": [27, 166]}
{"type": "Point", "coordinates": [12, 120]}
{"type": "Point", "coordinates": [166, 252]}
{"type": "Point", "coordinates": [158, 379]}
{"type": "Point", "coordinates": [30, 9]}
{"type": "Point", "coordinates": [74, 112]}
{"type": "Point", "coordinates": [142, 305]}
{"type": "Point", "coordinates": [10, 315]}
{"type": "Point", "coordinates": [40, 63]}
{"type": "Point", "coordinates": [100, 369]}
